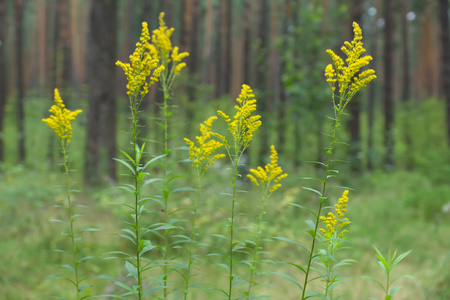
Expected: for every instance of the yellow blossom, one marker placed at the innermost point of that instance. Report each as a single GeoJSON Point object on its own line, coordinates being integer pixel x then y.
{"type": "Point", "coordinates": [61, 118]}
{"type": "Point", "coordinates": [161, 37]}
{"type": "Point", "coordinates": [202, 155]}
{"type": "Point", "coordinates": [162, 49]}
{"type": "Point", "coordinates": [344, 73]}
{"type": "Point", "coordinates": [141, 67]}
{"type": "Point", "coordinates": [333, 224]}
{"type": "Point", "coordinates": [244, 124]}
{"type": "Point", "coordinates": [271, 173]}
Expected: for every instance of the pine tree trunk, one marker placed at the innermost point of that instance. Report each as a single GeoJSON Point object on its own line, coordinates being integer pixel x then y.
{"type": "Point", "coordinates": [388, 79]}
{"type": "Point", "coordinates": [406, 81]}
{"type": "Point", "coordinates": [3, 76]}
{"type": "Point", "coordinates": [445, 63]}
{"type": "Point", "coordinates": [261, 78]}
{"type": "Point", "coordinates": [282, 122]}
{"type": "Point", "coordinates": [355, 107]}
{"type": "Point", "coordinates": [19, 9]}
{"type": "Point", "coordinates": [102, 70]}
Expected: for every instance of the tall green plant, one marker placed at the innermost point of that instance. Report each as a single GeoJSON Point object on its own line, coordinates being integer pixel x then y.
{"type": "Point", "coordinates": [60, 122]}
{"type": "Point", "coordinates": [171, 59]}
{"type": "Point", "coordinates": [202, 156]}
{"type": "Point", "coordinates": [241, 128]}
{"type": "Point", "coordinates": [141, 73]}
{"type": "Point", "coordinates": [267, 179]}
{"type": "Point", "coordinates": [345, 80]}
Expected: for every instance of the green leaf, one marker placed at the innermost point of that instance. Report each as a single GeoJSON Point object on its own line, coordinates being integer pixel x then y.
{"type": "Point", "coordinates": [124, 286]}
{"type": "Point", "coordinates": [155, 289]}
{"type": "Point", "coordinates": [313, 190]}
{"type": "Point", "coordinates": [400, 258]}
{"type": "Point", "coordinates": [126, 165]}
{"type": "Point", "coordinates": [288, 278]}
{"type": "Point", "coordinates": [292, 242]}
{"type": "Point", "coordinates": [132, 270]}
{"type": "Point", "coordinates": [305, 208]}
{"type": "Point", "coordinates": [224, 266]}
{"type": "Point", "coordinates": [394, 290]}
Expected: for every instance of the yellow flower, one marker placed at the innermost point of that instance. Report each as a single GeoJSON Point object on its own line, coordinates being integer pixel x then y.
{"type": "Point", "coordinates": [161, 37]}
{"type": "Point", "coordinates": [271, 173]}
{"type": "Point", "coordinates": [344, 73]}
{"type": "Point", "coordinates": [335, 225]}
{"type": "Point", "coordinates": [244, 124]}
{"type": "Point", "coordinates": [202, 155]}
{"type": "Point", "coordinates": [162, 47]}
{"type": "Point", "coordinates": [61, 118]}
{"type": "Point", "coordinates": [143, 62]}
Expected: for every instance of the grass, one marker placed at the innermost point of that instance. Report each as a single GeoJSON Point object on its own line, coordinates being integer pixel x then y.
{"type": "Point", "coordinates": [382, 215]}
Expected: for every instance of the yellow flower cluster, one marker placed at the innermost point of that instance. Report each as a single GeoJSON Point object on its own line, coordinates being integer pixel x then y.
{"type": "Point", "coordinates": [345, 73]}
{"type": "Point", "coordinates": [202, 155]}
{"type": "Point", "coordinates": [61, 118]}
{"type": "Point", "coordinates": [244, 124]}
{"type": "Point", "coordinates": [162, 46]}
{"type": "Point", "coordinates": [271, 172]}
{"type": "Point", "coordinates": [334, 224]}
{"type": "Point", "coordinates": [142, 65]}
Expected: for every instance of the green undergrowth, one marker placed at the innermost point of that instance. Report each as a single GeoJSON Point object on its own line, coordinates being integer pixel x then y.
{"type": "Point", "coordinates": [409, 204]}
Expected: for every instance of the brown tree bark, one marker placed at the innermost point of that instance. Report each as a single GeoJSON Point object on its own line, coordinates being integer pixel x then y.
{"type": "Point", "coordinates": [388, 78]}
{"type": "Point", "coordinates": [247, 41]}
{"type": "Point", "coordinates": [406, 83]}
{"type": "Point", "coordinates": [64, 52]}
{"type": "Point", "coordinates": [223, 48]}
{"type": "Point", "coordinates": [3, 76]}
{"type": "Point", "coordinates": [282, 122]}
{"type": "Point", "coordinates": [445, 60]}
{"type": "Point", "coordinates": [102, 77]}
{"type": "Point", "coordinates": [371, 97]}
{"type": "Point", "coordinates": [208, 70]}
{"type": "Point", "coordinates": [355, 107]}
{"type": "Point", "coordinates": [261, 76]}
{"type": "Point", "coordinates": [19, 9]}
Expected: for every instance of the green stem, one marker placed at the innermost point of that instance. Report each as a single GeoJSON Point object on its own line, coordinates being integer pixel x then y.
{"type": "Point", "coordinates": [71, 220]}
{"type": "Point", "coordinates": [137, 201]}
{"type": "Point", "coordinates": [258, 240]}
{"type": "Point", "coordinates": [191, 243]}
{"type": "Point", "coordinates": [166, 194]}
{"type": "Point", "coordinates": [230, 288]}
{"type": "Point", "coordinates": [322, 197]}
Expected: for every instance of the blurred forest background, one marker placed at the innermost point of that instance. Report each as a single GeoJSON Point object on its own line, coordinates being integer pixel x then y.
{"type": "Point", "coordinates": [397, 131]}
{"type": "Point", "coordinates": [277, 47]}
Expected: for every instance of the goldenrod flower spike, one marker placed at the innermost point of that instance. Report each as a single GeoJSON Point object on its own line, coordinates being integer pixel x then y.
{"type": "Point", "coordinates": [61, 118]}
{"type": "Point", "coordinates": [345, 73]}
{"type": "Point", "coordinates": [335, 224]}
{"type": "Point", "coordinates": [143, 62]}
{"type": "Point", "coordinates": [271, 173]}
{"type": "Point", "coordinates": [202, 155]}
{"type": "Point", "coordinates": [244, 124]}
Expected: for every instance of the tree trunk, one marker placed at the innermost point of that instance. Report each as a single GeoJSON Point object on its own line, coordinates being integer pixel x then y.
{"type": "Point", "coordinates": [371, 101]}
{"type": "Point", "coordinates": [388, 78]}
{"type": "Point", "coordinates": [19, 9]}
{"type": "Point", "coordinates": [406, 80]}
{"type": "Point", "coordinates": [208, 71]}
{"type": "Point", "coordinates": [63, 54]}
{"type": "Point", "coordinates": [282, 122]}
{"type": "Point", "coordinates": [355, 107]}
{"type": "Point", "coordinates": [247, 41]}
{"type": "Point", "coordinates": [445, 63]}
{"type": "Point", "coordinates": [3, 76]}
{"type": "Point", "coordinates": [102, 70]}
{"type": "Point", "coordinates": [223, 50]}
{"type": "Point", "coordinates": [261, 78]}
